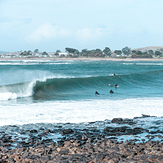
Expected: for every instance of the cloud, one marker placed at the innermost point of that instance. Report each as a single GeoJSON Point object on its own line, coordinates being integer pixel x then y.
{"type": "Point", "coordinates": [46, 32]}
{"type": "Point", "coordinates": [87, 34]}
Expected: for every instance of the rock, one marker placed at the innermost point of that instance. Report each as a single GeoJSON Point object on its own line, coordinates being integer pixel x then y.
{"type": "Point", "coordinates": [10, 160]}
{"type": "Point", "coordinates": [33, 157]}
{"type": "Point", "coordinates": [33, 131]}
{"type": "Point", "coordinates": [66, 131]}
{"type": "Point", "coordinates": [137, 130]}
{"type": "Point", "coordinates": [25, 154]}
{"type": "Point", "coordinates": [64, 151]}
{"type": "Point", "coordinates": [67, 143]}
{"type": "Point", "coordinates": [117, 120]}
{"type": "Point", "coordinates": [45, 158]}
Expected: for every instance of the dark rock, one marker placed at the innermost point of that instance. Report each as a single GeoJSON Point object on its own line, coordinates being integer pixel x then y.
{"type": "Point", "coordinates": [33, 131]}
{"type": "Point", "coordinates": [45, 158]}
{"type": "Point", "coordinates": [64, 151]}
{"type": "Point", "coordinates": [10, 160]}
{"type": "Point", "coordinates": [60, 143]}
{"type": "Point", "coordinates": [66, 131]}
{"type": "Point", "coordinates": [137, 130]}
{"type": "Point", "coordinates": [117, 120]}
{"type": "Point", "coordinates": [46, 131]}
{"type": "Point", "coordinates": [33, 157]}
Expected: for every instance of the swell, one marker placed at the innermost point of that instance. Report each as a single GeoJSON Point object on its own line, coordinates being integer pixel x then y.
{"type": "Point", "coordinates": [67, 86]}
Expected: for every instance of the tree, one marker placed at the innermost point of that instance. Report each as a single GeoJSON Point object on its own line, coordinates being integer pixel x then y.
{"type": "Point", "coordinates": [157, 53]}
{"type": "Point", "coordinates": [76, 52]}
{"type": "Point", "coordinates": [98, 51]}
{"type": "Point", "coordinates": [126, 50]}
{"type": "Point", "coordinates": [150, 52]}
{"type": "Point", "coordinates": [28, 52]}
{"type": "Point", "coordinates": [70, 50]}
{"type": "Point", "coordinates": [36, 51]}
{"type": "Point", "coordinates": [107, 51]}
{"type": "Point", "coordinates": [44, 53]}
{"type": "Point", "coordinates": [145, 53]}
{"type": "Point", "coordinates": [58, 51]}
{"type": "Point", "coordinates": [118, 52]}
{"type": "Point", "coordinates": [161, 50]}
{"type": "Point", "coordinates": [84, 52]}
{"type": "Point", "coordinates": [133, 51]}
{"type": "Point", "coordinates": [138, 53]}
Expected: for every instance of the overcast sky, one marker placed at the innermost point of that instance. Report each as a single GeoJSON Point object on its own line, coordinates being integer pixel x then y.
{"type": "Point", "coordinates": [81, 24]}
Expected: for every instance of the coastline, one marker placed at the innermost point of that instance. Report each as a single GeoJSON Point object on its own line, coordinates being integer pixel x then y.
{"type": "Point", "coordinates": [89, 145]}
{"type": "Point", "coordinates": [84, 59]}
{"type": "Point", "coordinates": [118, 140]}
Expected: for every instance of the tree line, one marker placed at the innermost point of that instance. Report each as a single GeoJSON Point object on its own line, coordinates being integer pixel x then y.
{"type": "Point", "coordinates": [106, 52]}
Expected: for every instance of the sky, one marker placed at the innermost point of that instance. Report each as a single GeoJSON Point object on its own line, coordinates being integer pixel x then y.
{"type": "Point", "coordinates": [81, 24]}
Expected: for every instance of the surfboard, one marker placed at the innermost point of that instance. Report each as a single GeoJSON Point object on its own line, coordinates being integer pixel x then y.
{"type": "Point", "coordinates": [114, 75]}
{"type": "Point", "coordinates": [113, 85]}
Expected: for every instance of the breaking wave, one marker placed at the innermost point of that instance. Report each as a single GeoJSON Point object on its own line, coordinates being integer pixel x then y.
{"type": "Point", "coordinates": [63, 86]}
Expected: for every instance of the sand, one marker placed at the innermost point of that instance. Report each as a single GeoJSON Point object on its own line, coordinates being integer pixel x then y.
{"type": "Point", "coordinates": [84, 59]}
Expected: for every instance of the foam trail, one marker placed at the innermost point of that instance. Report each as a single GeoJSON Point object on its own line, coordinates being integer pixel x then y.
{"type": "Point", "coordinates": [77, 111]}
{"type": "Point", "coordinates": [7, 96]}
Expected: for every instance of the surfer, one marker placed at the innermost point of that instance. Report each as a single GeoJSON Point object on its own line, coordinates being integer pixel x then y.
{"type": "Point", "coordinates": [111, 91]}
{"type": "Point", "coordinates": [115, 75]}
{"type": "Point", "coordinates": [116, 85]}
{"type": "Point", "coordinates": [96, 93]}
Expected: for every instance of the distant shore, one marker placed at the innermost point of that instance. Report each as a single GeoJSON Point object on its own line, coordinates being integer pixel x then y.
{"type": "Point", "coordinates": [83, 59]}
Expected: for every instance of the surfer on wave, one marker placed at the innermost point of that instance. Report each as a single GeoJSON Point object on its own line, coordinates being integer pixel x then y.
{"type": "Point", "coordinates": [111, 91]}
{"type": "Point", "coordinates": [96, 93]}
{"type": "Point", "coordinates": [115, 75]}
{"type": "Point", "coordinates": [116, 85]}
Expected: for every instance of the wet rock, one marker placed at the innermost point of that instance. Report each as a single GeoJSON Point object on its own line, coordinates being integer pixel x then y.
{"type": "Point", "coordinates": [33, 157]}
{"type": "Point", "coordinates": [60, 143]}
{"type": "Point", "coordinates": [33, 131]}
{"type": "Point", "coordinates": [45, 158]}
{"type": "Point", "coordinates": [137, 130]}
{"type": "Point", "coordinates": [25, 154]}
{"type": "Point", "coordinates": [10, 160]}
{"type": "Point", "coordinates": [90, 144]}
{"type": "Point", "coordinates": [66, 131]}
{"type": "Point", "coordinates": [117, 120]}
{"type": "Point", "coordinates": [47, 131]}
{"type": "Point", "coordinates": [64, 151]}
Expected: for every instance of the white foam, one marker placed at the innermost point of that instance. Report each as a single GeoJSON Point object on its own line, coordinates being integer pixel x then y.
{"type": "Point", "coordinates": [7, 96]}
{"type": "Point", "coordinates": [78, 111]}
{"type": "Point", "coordinates": [155, 64]}
{"type": "Point", "coordinates": [145, 63]}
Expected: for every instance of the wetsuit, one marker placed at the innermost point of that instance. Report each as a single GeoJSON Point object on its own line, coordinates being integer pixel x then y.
{"type": "Point", "coordinates": [96, 93]}
{"type": "Point", "coordinates": [111, 91]}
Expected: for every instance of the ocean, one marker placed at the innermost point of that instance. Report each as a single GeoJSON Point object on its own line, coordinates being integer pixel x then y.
{"type": "Point", "coordinates": [63, 91]}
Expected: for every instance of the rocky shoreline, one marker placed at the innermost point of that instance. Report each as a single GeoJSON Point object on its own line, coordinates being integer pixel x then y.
{"type": "Point", "coordinates": [92, 142]}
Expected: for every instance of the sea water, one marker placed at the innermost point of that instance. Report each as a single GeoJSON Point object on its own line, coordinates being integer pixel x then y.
{"type": "Point", "coordinates": [60, 91]}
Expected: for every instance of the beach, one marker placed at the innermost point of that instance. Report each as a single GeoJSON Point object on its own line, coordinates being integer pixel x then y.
{"type": "Point", "coordinates": [85, 59]}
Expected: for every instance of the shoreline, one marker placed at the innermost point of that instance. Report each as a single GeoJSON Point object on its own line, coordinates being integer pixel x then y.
{"type": "Point", "coordinates": [89, 144]}
{"type": "Point", "coordinates": [83, 59]}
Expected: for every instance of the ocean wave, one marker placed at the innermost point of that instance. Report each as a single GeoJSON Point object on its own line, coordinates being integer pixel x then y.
{"type": "Point", "coordinates": [62, 85]}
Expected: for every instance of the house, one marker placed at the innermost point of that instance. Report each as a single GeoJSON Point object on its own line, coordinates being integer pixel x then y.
{"type": "Point", "coordinates": [63, 54]}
